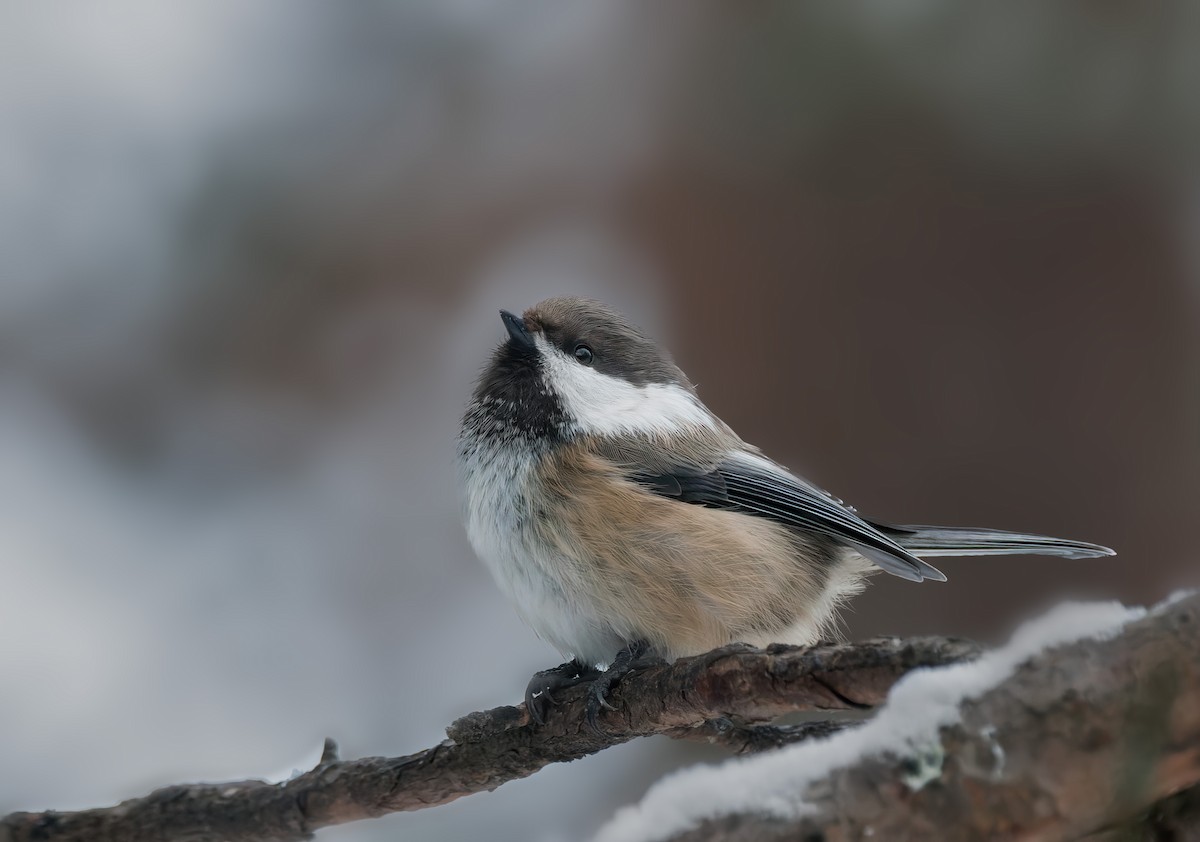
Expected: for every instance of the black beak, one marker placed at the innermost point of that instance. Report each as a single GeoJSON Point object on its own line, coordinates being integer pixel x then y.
{"type": "Point", "coordinates": [517, 332]}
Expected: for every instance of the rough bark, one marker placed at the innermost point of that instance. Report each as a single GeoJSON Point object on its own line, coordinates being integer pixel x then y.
{"type": "Point", "coordinates": [717, 696]}
{"type": "Point", "coordinates": [1174, 819]}
{"type": "Point", "coordinates": [1097, 740]}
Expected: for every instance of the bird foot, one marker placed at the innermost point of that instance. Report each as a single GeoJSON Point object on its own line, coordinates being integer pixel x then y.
{"type": "Point", "coordinates": [635, 656]}
{"type": "Point", "coordinates": [539, 694]}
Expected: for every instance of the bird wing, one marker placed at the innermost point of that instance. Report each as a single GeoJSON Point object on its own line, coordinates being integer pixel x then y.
{"type": "Point", "coordinates": [746, 482]}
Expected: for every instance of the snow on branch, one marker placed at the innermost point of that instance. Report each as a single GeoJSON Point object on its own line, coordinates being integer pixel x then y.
{"type": "Point", "coordinates": [718, 696]}
{"type": "Point", "coordinates": [1080, 725]}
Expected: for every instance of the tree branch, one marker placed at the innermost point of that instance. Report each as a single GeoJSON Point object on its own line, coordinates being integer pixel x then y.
{"type": "Point", "coordinates": [731, 688]}
{"type": "Point", "coordinates": [1174, 819]}
{"type": "Point", "coordinates": [1096, 740]}
{"type": "Point", "coordinates": [751, 739]}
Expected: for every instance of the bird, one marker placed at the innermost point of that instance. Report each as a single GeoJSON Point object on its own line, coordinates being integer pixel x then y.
{"type": "Point", "coordinates": [630, 525]}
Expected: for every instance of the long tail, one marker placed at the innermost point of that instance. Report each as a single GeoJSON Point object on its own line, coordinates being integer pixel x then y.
{"type": "Point", "coordinates": [928, 541]}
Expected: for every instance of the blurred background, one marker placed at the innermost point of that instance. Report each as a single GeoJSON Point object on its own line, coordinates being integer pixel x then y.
{"type": "Point", "coordinates": [943, 259]}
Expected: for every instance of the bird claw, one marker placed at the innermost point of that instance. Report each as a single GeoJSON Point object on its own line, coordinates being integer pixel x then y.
{"type": "Point", "coordinates": [597, 702]}
{"type": "Point", "coordinates": [539, 693]}
{"type": "Point", "coordinates": [626, 661]}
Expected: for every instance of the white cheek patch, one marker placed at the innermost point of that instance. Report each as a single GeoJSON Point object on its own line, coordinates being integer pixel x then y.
{"type": "Point", "coordinates": [599, 404]}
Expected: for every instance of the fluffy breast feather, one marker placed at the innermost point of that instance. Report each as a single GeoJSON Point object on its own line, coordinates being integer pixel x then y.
{"type": "Point", "coordinates": [685, 577]}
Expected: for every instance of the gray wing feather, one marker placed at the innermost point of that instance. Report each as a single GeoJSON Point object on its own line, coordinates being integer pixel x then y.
{"type": "Point", "coordinates": [755, 485]}
{"type": "Point", "coordinates": [760, 486]}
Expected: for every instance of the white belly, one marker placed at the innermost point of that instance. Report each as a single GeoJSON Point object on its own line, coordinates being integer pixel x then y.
{"type": "Point", "coordinates": [500, 519]}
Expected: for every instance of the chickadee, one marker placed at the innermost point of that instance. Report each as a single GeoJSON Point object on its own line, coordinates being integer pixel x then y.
{"type": "Point", "coordinates": [626, 520]}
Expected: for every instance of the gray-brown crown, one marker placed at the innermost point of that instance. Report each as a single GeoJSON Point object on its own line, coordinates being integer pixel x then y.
{"type": "Point", "coordinates": [619, 348]}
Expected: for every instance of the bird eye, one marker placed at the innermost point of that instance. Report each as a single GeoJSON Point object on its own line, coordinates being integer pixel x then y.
{"type": "Point", "coordinates": [583, 353]}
